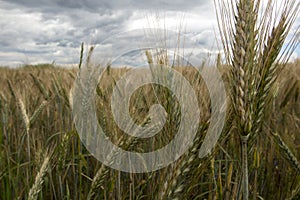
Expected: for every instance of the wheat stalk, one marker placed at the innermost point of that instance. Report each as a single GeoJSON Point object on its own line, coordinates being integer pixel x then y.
{"type": "Point", "coordinates": [39, 180]}
{"type": "Point", "coordinates": [252, 55]}
{"type": "Point", "coordinates": [103, 170]}
{"type": "Point", "coordinates": [25, 117]}
{"type": "Point", "coordinates": [11, 89]}
{"type": "Point", "coordinates": [243, 61]}
{"type": "Point", "coordinates": [81, 55]}
{"type": "Point", "coordinates": [287, 152]}
{"type": "Point", "coordinates": [40, 86]}
{"type": "Point", "coordinates": [174, 184]}
{"type": "Point", "coordinates": [37, 112]}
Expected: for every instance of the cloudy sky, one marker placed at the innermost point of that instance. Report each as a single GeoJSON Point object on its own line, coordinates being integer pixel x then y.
{"type": "Point", "coordinates": [45, 31]}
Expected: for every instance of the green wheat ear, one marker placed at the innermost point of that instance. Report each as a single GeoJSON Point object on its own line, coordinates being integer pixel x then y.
{"type": "Point", "coordinates": [252, 48]}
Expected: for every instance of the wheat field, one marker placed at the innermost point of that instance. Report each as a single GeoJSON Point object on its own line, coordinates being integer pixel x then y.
{"type": "Point", "coordinates": [256, 157]}
{"type": "Point", "coordinates": [42, 156]}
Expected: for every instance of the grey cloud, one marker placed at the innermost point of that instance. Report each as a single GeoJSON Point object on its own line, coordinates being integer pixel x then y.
{"type": "Point", "coordinates": [47, 30]}
{"type": "Point", "coordinates": [101, 5]}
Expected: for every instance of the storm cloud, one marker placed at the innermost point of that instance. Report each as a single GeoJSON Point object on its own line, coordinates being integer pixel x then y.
{"type": "Point", "coordinates": [43, 31]}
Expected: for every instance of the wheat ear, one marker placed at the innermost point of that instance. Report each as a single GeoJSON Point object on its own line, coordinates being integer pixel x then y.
{"type": "Point", "coordinates": [39, 180]}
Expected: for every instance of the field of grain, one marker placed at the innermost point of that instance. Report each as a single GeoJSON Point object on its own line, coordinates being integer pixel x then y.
{"type": "Point", "coordinates": [41, 154]}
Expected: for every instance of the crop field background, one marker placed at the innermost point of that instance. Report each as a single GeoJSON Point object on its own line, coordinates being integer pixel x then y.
{"type": "Point", "coordinates": [42, 155]}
